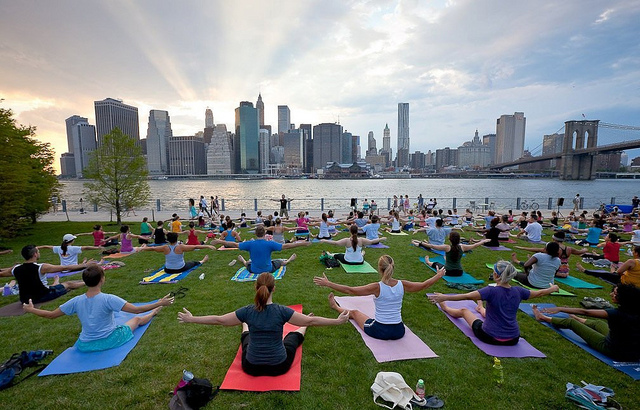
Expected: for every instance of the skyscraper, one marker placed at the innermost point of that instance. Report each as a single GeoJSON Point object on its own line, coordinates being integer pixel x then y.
{"type": "Point", "coordinates": [284, 121]}
{"type": "Point", "coordinates": [265, 150]}
{"type": "Point", "coordinates": [308, 147]}
{"type": "Point", "coordinates": [346, 156]}
{"type": "Point", "coordinates": [70, 122]}
{"type": "Point", "coordinates": [327, 144]}
{"type": "Point", "coordinates": [208, 118]}
{"type": "Point", "coordinates": [403, 134]}
{"type": "Point", "coordinates": [474, 154]}
{"type": "Point", "coordinates": [187, 156]}
{"type": "Point", "coordinates": [158, 134]}
{"type": "Point", "coordinates": [260, 108]}
{"type": "Point", "coordinates": [112, 113]}
{"type": "Point", "coordinates": [247, 136]}
{"type": "Point", "coordinates": [84, 143]}
{"type": "Point", "coordinates": [220, 152]}
{"type": "Point", "coordinates": [386, 144]}
{"type": "Point", "coordinates": [293, 150]}
{"type": "Point", "coordinates": [371, 144]}
{"type": "Point", "coordinates": [510, 130]}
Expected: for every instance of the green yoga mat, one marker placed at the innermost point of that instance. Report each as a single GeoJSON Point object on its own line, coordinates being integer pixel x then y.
{"type": "Point", "coordinates": [397, 233]}
{"type": "Point", "coordinates": [364, 268]}
{"type": "Point", "coordinates": [577, 283]}
{"type": "Point", "coordinates": [464, 279]}
{"type": "Point", "coordinates": [490, 266]}
{"type": "Point", "coordinates": [562, 292]}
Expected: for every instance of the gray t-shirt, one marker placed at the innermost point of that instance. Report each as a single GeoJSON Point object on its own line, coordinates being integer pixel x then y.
{"type": "Point", "coordinates": [265, 331]}
{"type": "Point", "coordinates": [543, 271]}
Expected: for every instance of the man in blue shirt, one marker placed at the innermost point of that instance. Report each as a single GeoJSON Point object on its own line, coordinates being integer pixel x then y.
{"type": "Point", "coordinates": [260, 252]}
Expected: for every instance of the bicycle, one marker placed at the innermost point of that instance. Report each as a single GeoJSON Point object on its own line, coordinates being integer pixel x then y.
{"type": "Point", "coordinates": [524, 205]}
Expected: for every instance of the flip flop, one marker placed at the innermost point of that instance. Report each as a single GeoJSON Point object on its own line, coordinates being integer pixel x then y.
{"type": "Point", "coordinates": [429, 402]}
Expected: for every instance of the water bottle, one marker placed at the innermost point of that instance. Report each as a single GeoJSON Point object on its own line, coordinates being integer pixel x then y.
{"type": "Point", "coordinates": [187, 376]}
{"type": "Point", "coordinates": [201, 277]}
{"type": "Point", "coordinates": [420, 389]}
{"type": "Point", "coordinates": [498, 373]}
{"type": "Point", "coordinates": [6, 290]}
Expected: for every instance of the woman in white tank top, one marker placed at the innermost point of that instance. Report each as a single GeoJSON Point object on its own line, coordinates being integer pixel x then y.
{"type": "Point", "coordinates": [353, 247]}
{"type": "Point", "coordinates": [388, 293]}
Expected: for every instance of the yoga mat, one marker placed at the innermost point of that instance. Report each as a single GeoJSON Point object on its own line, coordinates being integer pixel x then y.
{"type": "Point", "coordinates": [522, 349]}
{"type": "Point", "coordinates": [507, 241]}
{"type": "Point", "coordinates": [436, 251]}
{"type": "Point", "coordinates": [378, 246]}
{"type": "Point", "coordinates": [409, 347]}
{"type": "Point", "coordinates": [74, 361]}
{"type": "Point", "coordinates": [577, 283]}
{"type": "Point", "coordinates": [363, 268]}
{"type": "Point", "coordinates": [237, 379]}
{"type": "Point", "coordinates": [160, 276]}
{"type": "Point", "coordinates": [243, 274]}
{"type": "Point", "coordinates": [15, 309]}
{"type": "Point", "coordinates": [397, 234]}
{"type": "Point", "coordinates": [118, 255]}
{"type": "Point", "coordinates": [465, 278]}
{"type": "Point", "coordinates": [562, 292]}
{"type": "Point", "coordinates": [490, 266]}
{"type": "Point", "coordinates": [631, 369]}
{"type": "Point", "coordinates": [497, 248]}
{"type": "Point", "coordinates": [62, 274]}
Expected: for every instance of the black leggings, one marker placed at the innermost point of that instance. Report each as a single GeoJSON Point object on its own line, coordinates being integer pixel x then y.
{"type": "Point", "coordinates": [613, 278]}
{"type": "Point", "coordinates": [291, 342]}
{"type": "Point", "coordinates": [523, 278]}
{"type": "Point", "coordinates": [479, 332]}
{"type": "Point", "coordinates": [340, 258]}
{"type": "Point", "coordinates": [449, 272]}
{"type": "Point", "coordinates": [187, 266]}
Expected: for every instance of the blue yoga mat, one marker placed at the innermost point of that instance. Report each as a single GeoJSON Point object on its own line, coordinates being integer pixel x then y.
{"type": "Point", "coordinates": [160, 276]}
{"type": "Point", "coordinates": [465, 278]}
{"type": "Point", "coordinates": [74, 361]}
{"type": "Point", "coordinates": [631, 369]}
{"type": "Point", "coordinates": [577, 283]}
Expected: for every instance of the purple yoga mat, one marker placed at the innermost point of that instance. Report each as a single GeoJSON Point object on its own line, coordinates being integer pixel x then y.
{"type": "Point", "coordinates": [62, 274]}
{"type": "Point", "coordinates": [409, 347]}
{"type": "Point", "coordinates": [378, 245]}
{"type": "Point", "coordinates": [497, 248]}
{"type": "Point", "coordinates": [522, 349]}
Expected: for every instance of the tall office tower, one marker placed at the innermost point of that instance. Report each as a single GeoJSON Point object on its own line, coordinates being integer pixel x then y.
{"type": "Point", "coordinates": [386, 145]}
{"type": "Point", "coordinates": [260, 107]}
{"type": "Point", "coordinates": [84, 142]}
{"type": "Point", "coordinates": [158, 134]}
{"type": "Point", "coordinates": [355, 148]}
{"type": "Point", "coordinates": [112, 113]}
{"type": "Point", "coordinates": [293, 150]}
{"type": "Point", "coordinates": [510, 131]}
{"type": "Point", "coordinates": [346, 156]}
{"type": "Point", "coordinates": [265, 150]}
{"type": "Point", "coordinates": [70, 122]}
{"type": "Point", "coordinates": [186, 156]}
{"type": "Point", "coordinates": [307, 148]}
{"type": "Point", "coordinates": [220, 152]}
{"type": "Point", "coordinates": [327, 144]}
{"type": "Point", "coordinates": [208, 118]}
{"type": "Point", "coordinates": [403, 135]}
{"type": "Point", "coordinates": [67, 165]}
{"type": "Point", "coordinates": [371, 144]}
{"type": "Point", "coordinates": [446, 157]}
{"type": "Point", "coordinates": [284, 121]}
{"type": "Point", "coordinates": [490, 141]}
{"type": "Point", "coordinates": [552, 144]}
{"type": "Point", "coordinates": [248, 138]}
{"type": "Point", "coordinates": [418, 160]}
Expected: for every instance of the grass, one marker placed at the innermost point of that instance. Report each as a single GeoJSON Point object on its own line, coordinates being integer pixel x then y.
{"type": "Point", "coordinates": [337, 368]}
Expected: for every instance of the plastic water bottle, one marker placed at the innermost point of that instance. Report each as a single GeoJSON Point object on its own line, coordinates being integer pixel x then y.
{"type": "Point", "coordinates": [187, 376]}
{"type": "Point", "coordinates": [498, 373]}
{"type": "Point", "coordinates": [6, 290]}
{"type": "Point", "coordinates": [420, 389]}
{"type": "Point", "coordinates": [201, 276]}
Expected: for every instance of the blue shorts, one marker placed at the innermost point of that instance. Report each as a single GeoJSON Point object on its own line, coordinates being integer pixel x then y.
{"type": "Point", "coordinates": [383, 331]}
{"type": "Point", "coordinates": [121, 335]}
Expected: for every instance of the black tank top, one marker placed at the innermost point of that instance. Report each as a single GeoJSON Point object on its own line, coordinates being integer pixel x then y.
{"type": "Point", "coordinates": [28, 277]}
{"type": "Point", "coordinates": [159, 236]}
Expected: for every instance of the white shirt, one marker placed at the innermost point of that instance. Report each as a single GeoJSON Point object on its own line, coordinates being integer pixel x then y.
{"type": "Point", "coordinates": [534, 231]}
{"type": "Point", "coordinates": [71, 257]}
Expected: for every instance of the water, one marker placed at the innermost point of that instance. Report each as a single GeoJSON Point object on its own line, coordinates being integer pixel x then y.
{"type": "Point", "coordinates": [307, 194]}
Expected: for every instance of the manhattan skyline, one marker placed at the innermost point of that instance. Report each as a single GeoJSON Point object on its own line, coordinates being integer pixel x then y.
{"type": "Point", "coordinates": [459, 64]}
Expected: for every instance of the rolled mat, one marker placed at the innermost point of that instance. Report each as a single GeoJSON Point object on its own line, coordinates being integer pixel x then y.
{"type": "Point", "coordinates": [577, 283]}
{"type": "Point", "coordinates": [378, 246]}
{"type": "Point", "coordinates": [160, 276]}
{"type": "Point", "coordinates": [243, 274]}
{"type": "Point", "coordinates": [631, 369]}
{"type": "Point", "coordinates": [465, 278]}
{"type": "Point", "coordinates": [74, 361]}
{"type": "Point", "coordinates": [561, 292]}
{"type": "Point", "coordinates": [237, 379]}
{"type": "Point", "coordinates": [522, 349]}
{"type": "Point", "coordinates": [362, 268]}
{"type": "Point", "coordinates": [408, 347]}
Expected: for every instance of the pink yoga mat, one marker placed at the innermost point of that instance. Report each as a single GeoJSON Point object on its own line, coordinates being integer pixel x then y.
{"type": "Point", "coordinates": [522, 349]}
{"type": "Point", "coordinates": [409, 347]}
{"type": "Point", "coordinates": [237, 379]}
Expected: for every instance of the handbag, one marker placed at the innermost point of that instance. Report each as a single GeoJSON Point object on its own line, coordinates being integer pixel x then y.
{"type": "Point", "coordinates": [391, 387]}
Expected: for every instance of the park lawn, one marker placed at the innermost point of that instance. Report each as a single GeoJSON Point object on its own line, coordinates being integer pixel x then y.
{"type": "Point", "coordinates": [337, 368]}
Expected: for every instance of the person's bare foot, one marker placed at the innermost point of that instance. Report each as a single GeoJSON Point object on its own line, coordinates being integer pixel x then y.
{"type": "Point", "coordinates": [580, 267]}
{"type": "Point", "coordinates": [156, 311]}
{"type": "Point", "coordinates": [480, 309]}
{"type": "Point", "coordinates": [539, 316]}
{"type": "Point", "coordinates": [205, 259]}
{"type": "Point", "coordinates": [332, 302]}
{"type": "Point", "coordinates": [56, 280]}
{"type": "Point", "coordinates": [292, 258]}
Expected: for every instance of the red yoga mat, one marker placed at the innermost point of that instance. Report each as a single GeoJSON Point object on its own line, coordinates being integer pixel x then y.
{"type": "Point", "coordinates": [237, 379]}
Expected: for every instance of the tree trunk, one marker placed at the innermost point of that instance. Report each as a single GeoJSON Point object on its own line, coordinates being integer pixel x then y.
{"type": "Point", "coordinates": [118, 215]}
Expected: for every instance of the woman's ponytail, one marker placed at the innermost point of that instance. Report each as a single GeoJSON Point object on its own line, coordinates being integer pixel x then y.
{"type": "Point", "coordinates": [264, 287]}
{"type": "Point", "coordinates": [353, 230]}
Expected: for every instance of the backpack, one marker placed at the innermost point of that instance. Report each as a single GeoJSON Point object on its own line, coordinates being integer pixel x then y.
{"type": "Point", "coordinates": [329, 261]}
{"type": "Point", "coordinates": [10, 369]}
{"type": "Point", "coordinates": [194, 395]}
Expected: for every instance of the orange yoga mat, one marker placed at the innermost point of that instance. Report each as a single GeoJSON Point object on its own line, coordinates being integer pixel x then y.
{"type": "Point", "coordinates": [237, 379]}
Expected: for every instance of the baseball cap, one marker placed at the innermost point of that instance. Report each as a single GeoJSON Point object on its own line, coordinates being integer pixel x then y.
{"type": "Point", "coordinates": [68, 237]}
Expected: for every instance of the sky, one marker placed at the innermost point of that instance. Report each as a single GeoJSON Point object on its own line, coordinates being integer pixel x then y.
{"type": "Point", "coordinates": [460, 64]}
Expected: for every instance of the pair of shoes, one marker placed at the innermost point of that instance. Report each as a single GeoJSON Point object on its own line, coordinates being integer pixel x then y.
{"type": "Point", "coordinates": [179, 294]}
{"type": "Point", "coordinates": [429, 402]}
{"type": "Point", "coordinates": [463, 286]}
{"type": "Point", "coordinates": [595, 303]}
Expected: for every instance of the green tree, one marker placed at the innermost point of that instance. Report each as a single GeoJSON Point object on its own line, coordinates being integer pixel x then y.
{"type": "Point", "coordinates": [118, 174]}
{"type": "Point", "coordinates": [28, 180]}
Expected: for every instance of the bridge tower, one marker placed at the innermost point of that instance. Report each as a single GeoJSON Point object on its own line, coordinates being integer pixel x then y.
{"type": "Point", "coordinates": [579, 135]}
